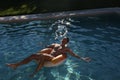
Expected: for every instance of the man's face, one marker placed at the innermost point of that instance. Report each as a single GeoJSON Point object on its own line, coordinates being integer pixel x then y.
{"type": "Point", "coordinates": [64, 41]}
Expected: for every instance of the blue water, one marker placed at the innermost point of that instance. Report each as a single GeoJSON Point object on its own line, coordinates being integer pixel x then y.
{"type": "Point", "coordinates": [97, 37]}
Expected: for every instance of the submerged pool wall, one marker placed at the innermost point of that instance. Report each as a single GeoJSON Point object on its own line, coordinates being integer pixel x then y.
{"type": "Point", "coordinates": [59, 15]}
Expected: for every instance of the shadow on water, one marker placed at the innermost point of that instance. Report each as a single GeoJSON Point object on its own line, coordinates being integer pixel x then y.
{"type": "Point", "coordinates": [96, 37]}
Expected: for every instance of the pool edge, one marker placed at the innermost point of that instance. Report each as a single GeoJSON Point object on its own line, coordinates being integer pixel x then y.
{"type": "Point", "coordinates": [58, 15]}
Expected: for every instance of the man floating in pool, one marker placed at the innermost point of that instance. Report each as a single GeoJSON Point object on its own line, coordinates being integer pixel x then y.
{"type": "Point", "coordinates": [52, 55]}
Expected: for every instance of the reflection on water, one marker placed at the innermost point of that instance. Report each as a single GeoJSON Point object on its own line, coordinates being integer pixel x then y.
{"type": "Point", "coordinates": [60, 28]}
{"type": "Point", "coordinates": [96, 37]}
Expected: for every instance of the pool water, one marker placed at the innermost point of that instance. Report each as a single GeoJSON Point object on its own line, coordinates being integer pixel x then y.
{"type": "Point", "coordinates": [97, 37]}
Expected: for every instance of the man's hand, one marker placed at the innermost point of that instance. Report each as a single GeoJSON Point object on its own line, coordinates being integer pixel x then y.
{"type": "Point", "coordinates": [87, 59]}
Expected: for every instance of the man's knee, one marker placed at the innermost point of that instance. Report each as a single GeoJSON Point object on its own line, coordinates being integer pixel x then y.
{"type": "Point", "coordinates": [48, 57]}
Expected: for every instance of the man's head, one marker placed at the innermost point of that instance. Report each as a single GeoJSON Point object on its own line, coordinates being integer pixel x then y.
{"type": "Point", "coordinates": [65, 40]}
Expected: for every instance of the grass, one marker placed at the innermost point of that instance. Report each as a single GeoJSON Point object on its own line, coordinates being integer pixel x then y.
{"type": "Point", "coordinates": [23, 9]}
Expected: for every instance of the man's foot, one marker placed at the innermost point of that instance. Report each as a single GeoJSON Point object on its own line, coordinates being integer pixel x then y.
{"type": "Point", "coordinates": [14, 66]}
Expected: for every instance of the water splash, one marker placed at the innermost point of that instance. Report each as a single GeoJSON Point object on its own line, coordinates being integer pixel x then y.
{"type": "Point", "coordinates": [60, 28]}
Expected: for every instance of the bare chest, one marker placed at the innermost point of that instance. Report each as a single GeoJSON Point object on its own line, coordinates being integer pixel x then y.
{"type": "Point", "coordinates": [58, 50]}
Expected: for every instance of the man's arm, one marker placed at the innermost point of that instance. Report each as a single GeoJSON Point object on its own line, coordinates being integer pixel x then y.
{"type": "Point", "coordinates": [87, 59]}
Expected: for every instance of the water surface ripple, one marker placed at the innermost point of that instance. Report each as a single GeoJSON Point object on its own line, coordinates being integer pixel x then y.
{"type": "Point", "coordinates": [97, 37]}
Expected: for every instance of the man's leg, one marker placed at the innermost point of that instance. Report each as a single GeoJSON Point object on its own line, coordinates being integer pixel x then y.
{"type": "Point", "coordinates": [40, 65]}
{"type": "Point", "coordinates": [25, 61]}
{"type": "Point", "coordinates": [41, 59]}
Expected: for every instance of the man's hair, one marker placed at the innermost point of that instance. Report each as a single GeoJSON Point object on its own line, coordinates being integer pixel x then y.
{"type": "Point", "coordinates": [67, 39]}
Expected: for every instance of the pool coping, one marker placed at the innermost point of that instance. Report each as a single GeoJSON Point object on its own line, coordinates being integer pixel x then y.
{"type": "Point", "coordinates": [58, 15]}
